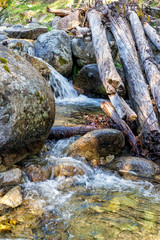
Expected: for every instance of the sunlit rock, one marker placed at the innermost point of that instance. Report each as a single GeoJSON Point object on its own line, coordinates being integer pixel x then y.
{"type": "Point", "coordinates": [38, 173]}
{"type": "Point", "coordinates": [55, 48]}
{"type": "Point", "coordinates": [67, 170]}
{"type": "Point", "coordinates": [97, 144]}
{"type": "Point", "coordinates": [13, 198]}
{"type": "Point", "coordinates": [11, 177]}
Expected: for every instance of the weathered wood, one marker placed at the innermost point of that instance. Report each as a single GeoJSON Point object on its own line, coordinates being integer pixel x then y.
{"type": "Point", "coordinates": [71, 21]}
{"type": "Point", "coordinates": [147, 58]}
{"type": "Point", "coordinates": [108, 73]}
{"type": "Point", "coordinates": [107, 70]}
{"type": "Point", "coordinates": [152, 34]}
{"type": "Point", "coordinates": [136, 83]}
{"type": "Point", "coordinates": [59, 12]}
{"type": "Point", "coordinates": [122, 108]}
{"type": "Point", "coordinates": [110, 111]}
{"type": "Point", "coordinates": [66, 132]}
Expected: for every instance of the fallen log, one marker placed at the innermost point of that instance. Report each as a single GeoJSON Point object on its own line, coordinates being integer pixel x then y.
{"type": "Point", "coordinates": [137, 87]}
{"type": "Point", "coordinates": [59, 12]}
{"type": "Point", "coordinates": [71, 21]}
{"type": "Point", "coordinates": [107, 70]}
{"type": "Point", "coordinates": [122, 108]}
{"type": "Point", "coordinates": [66, 132]}
{"type": "Point", "coordinates": [152, 34]}
{"type": "Point", "coordinates": [147, 58]}
{"type": "Point", "coordinates": [111, 113]}
{"type": "Point", "coordinates": [108, 73]}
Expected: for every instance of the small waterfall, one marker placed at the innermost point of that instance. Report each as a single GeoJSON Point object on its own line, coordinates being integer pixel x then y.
{"type": "Point", "coordinates": [62, 88]}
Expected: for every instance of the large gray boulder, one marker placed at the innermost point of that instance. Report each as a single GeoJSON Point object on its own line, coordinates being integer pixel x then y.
{"type": "Point", "coordinates": [55, 48]}
{"type": "Point", "coordinates": [26, 108]}
{"type": "Point", "coordinates": [27, 32]}
{"type": "Point", "coordinates": [97, 144]}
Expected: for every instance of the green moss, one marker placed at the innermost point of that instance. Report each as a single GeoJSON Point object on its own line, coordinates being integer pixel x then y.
{"type": "Point", "coordinates": [10, 52]}
{"type": "Point", "coordinates": [75, 71]}
{"type": "Point", "coordinates": [19, 45]}
{"type": "Point", "coordinates": [6, 68]}
{"type": "Point", "coordinates": [18, 58]}
{"type": "Point", "coordinates": [102, 91]}
{"type": "Point", "coordinates": [41, 98]}
{"type": "Point", "coordinates": [62, 61]}
{"type": "Point", "coordinates": [37, 94]}
{"type": "Point", "coordinates": [3, 60]}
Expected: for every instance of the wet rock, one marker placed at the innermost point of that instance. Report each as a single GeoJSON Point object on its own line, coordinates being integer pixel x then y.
{"type": "Point", "coordinates": [67, 170]}
{"type": "Point", "coordinates": [13, 198]}
{"type": "Point", "coordinates": [102, 161]}
{"type": "Point", "coordinates": [38, 173]}
{"type": "Point", "coordinates": [27, 32]}
{"type": "Point", "coordinates": [135, 167]}
{"type": "Point", "coordinates": [20, 45]}
{"type": "Point", "coordinates": [11, 177]}
{"type": "Point", "coordinates": [55, 48]}
{"type": "Point", "coordinates": [89, 81]}
{"type": "Point", "coordinates": [97, 144]}
{"type": "Point", "coordinates": [26, 108]}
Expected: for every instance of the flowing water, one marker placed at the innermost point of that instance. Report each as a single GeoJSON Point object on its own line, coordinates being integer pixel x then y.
{"type": "Point", "coordinates": [97, 205]}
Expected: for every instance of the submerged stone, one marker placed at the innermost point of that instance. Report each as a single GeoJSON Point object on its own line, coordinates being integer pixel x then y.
{"type": "Point", "coordinates": [97, 144]}
{"type": "Point", "coordinates": [38, 173]}
{"type": "Point", "coordinates": [67, 170]}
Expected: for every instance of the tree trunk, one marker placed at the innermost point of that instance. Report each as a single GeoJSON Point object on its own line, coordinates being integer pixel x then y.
{"type": "Point", "coordinates": [66, 132]}
{"type": "Point", "coordinates": [136, 83]}
{"type": "Point", "coordinates": [107, 71]}
{"type": "Point", "coordinates": [58, 12]}
{"type": "Point", "coordinates": [152, 34]}
{"type": "Point", "coordinates": [109, 110]}
{"type": "Point", "coordinates": [147, 58]}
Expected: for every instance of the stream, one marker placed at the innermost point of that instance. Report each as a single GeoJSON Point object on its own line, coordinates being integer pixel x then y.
{"type": "Point", "coordinates": [98, 205]}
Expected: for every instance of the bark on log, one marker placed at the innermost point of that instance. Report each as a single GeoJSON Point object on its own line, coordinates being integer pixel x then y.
{"type": "Point", "coordinates": [152, 34]}
{"type": "Point", "coordinates": [109, 110]}
{"type": "Point", "coordinates": [136, 83]}
{"type": "Point", "coordinates": [147, 58]}
{"type": "Point", "coordinates": [59, 12]}
{"type": "Point", "coordinates": [66, 132]}
{"type": "Point", "coordinates": [106, 67]}
{"type": "Point", "coordinates": [107, 71]}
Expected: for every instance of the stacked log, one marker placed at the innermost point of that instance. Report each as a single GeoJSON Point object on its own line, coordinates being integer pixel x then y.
{"type": "Point", "coordinates": [141, 108]}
